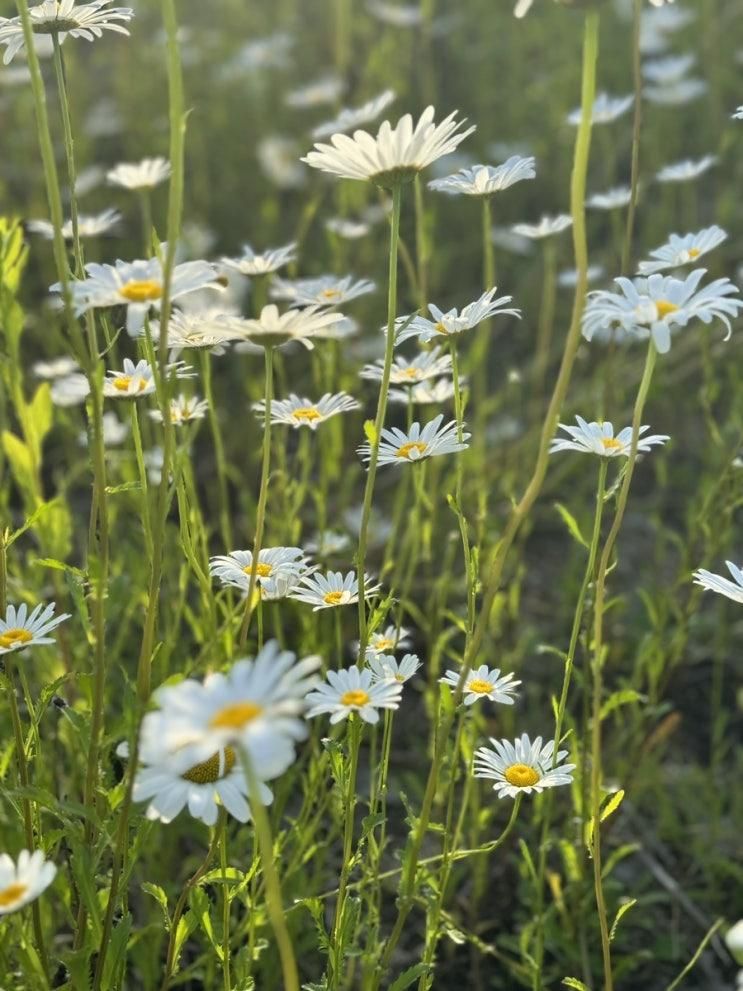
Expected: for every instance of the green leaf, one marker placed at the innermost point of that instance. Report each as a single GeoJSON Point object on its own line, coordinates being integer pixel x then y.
{"type": "Point", "coordinates": [572, 524]}
{"type": "Point", "coordinates": [370, 431]}
{"type": "Point", "coordinates": [573, 982]}
{"type": "Point", "coordinates": [160, 897]}
{"type": "Point", "coordinates": [51, 562]}
{"type": "Point", "coordinates": [623, 909]}
{"type": "Point", "coordinates": [39, 416]}
{"type": "Point", "coordinates": [612, 805]}
{"type": "Point", "coordinates": [409, 977]}
{"type": "Point", "coordinates": [21, 464]}
{"type": "Point", "coordinates": [624, 697]}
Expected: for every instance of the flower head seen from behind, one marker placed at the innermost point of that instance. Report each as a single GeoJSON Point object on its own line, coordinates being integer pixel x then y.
{"type": "Point", "coordinates": [62, 18]}
{"type": "Point", "coordinates": [299, 411]}
{"type": "Point", "coordinates": [146, 174]}
{"type": "Point", "coordinates": [353, 690]}
{"type": "Point", "coordinates": [598, 438]}
{"type": "Point", "coordinates": [684, 250]}
{"type": "Point", "coordinates": [485, 180]}
{"type": "Point", "coordinates": [396, 154]}
{"type": "Point", "coordinates": [418, 443]}
{"type": "Point", "coordinates": [21, 628]}
{"type": "Point", "coordinates": [254, 263]}
{"type": "Point", "coordinates": [484, 683]}
{"type": "Point", "coordinates": [522, 766]}
{"type": "Point", "coordinates": [723, 586]}
{"type": "Point", "coordinates": [443, 324]}
{"type": "Point", "coordinates": [22, 881]}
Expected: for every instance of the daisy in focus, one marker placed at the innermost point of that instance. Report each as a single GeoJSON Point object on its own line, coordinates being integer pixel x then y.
{"type": "Point", "coordinates": [353, 690]}
{"type": "Point", "coordinates": [147, 174]}
{"type": "Point", "coordinates": [254, 263]}
{"type": "Point", "coordinates": [21, 628]}
{"type": "Point", "coordinates": [132, 381]}
{"type": "Point", "coordinates": [326, 290]}
{"type": "Point", "coordinates": [484, 683]}
{"type": "Point", "coordinates": [24, 880]}
{"type": "Point", "coordinates": [299, 411]}
{"type": "Point", "coordinates": [332, 589]}
{"type": "Point", "coordinates": [522, 766]}
{"type": "Point", "coordinates": [284, 565]}
{"type": "Point", "coordinates": [723, 586]}
{"type": "Point", "coordinates": [485, 180]}
{"type": "Point", "coordinates": [397, 154]}
{"type": "Point", "coordinates": [385, 667]}
{"type": "Point", "coordinates": [598, 438]}
{"type": "Point", "coordinates": [418, 443]}
{"type": "Point", "coordinates": [444, 324]}
{"type": "Point", "coordinates": [404, 371]}
{"type": "Point", "coordinates": [680, 250]}
{"type": "Point", "coordinates": [63, 18]}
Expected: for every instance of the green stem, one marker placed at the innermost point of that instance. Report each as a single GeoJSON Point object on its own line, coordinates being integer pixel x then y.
{"type": "Point", "coordinates": [349, 806]}
{"type": "Point", "coordinates": [636, 128]}
{"type": "Point", "coordinates": [421, 244]}
{"type": "Point", "coordinates": [480, 351]}
{"type": "Point", "coordinates": [224, 501]}
{"type": "Point", "coordinates": [225, 907]}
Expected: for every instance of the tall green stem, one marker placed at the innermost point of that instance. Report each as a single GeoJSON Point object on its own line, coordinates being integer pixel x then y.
{"type": "Point", "coordinates": [349, 806]}
{"type": "Point", "coordinates": [636, 128]}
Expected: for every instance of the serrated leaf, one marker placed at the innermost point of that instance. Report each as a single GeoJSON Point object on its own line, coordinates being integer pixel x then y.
{"type": "Point", "coordinates": [624, 697]}
{"type": "Point", "coordinates": [573, 982]}
{"type": "Point", "coordinates": [622, 911]}
{"type": "Point", "coordinates": [160, 897]}
{"type": "Point", "coordinates": [409, 976]}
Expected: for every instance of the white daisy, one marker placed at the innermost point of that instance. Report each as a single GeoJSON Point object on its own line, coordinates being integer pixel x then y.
{"type": "Point", "coordinates": [401, 447]}
{"type": "Point", "coordinates": [612, 199]}
{"type": "Point", "coordinates": [114, 431]}
{"type": "Point", "coordinates": [21, 628]}
{"type": "Point", "coordinates": [353, 690]}
{"type": "Point", "coordinates": [453, 322]}
{"type": "Point", "coordinates": [404, 371]}
{"type": "Point", "coordinates": [326, 290]}
{"type": "Point", "coordinates": [484, 180]}
{"type": "Point", "coordinates": [278, 157]}
{"type": "Point", "coordinates": [398, 15]}
{"type": "Point", "coordinates": [70, 390]}
{"type": "Point", "coordinates": [328, 542]}
{"type": "Point", "coordinates": [271, 52]}
{"type": "Point", "coordinates": [680, 250]}
{"type": "Point", "coordinates": [659, 305]}
{"type": "Point", "coordinates": [210, 328]}
{"type": "Point", "coordinates": [522, 766]}
{"type": "Point", "coordinates": [669, 69]}
{"type": "Point", "coordinates": [54, 368]}
{"type": "Point", "coordinates": [598, 438]}
{"type": "Point", "coordinates": [280, 564]}
{"type": "Point", "coordinates": [332, 589]}
{"type": "Point", "coordinates": [349, 119]}
{"type": "Point", "coordinates": [605, 109]}
{"type": "Point", "coordinates": [426, 393]}
{"type": "Point", "coordinates": [568, 279]}
{"type": "Point", "coordinates": [62, 18]}
{"type": "Point", "coordinates": [147, 174]}
{"type": "Point", "coordinates": [716, 583]}
{"type": "Point", "coordinates": [686, 170]}
{"type": "Point", "coordinates": [385, 667]}
{"type": "Point", "coordinates": [183, 409]}
{"type": "Point", "coordinates": [738, 115]}
{"type": "Point", "coordinates": [133, 380]}
{"type": "Point", "coordinates": [87, 226]}
{"type": "Point", "coordinates": [23, 881]}
{"type": "Point", "coordinates": [546, 227]}
{"type": "Point", "coordinates": [302, 412]}
{"type": "Point", "coordinates": [675, 94]}
{"type": "Point", "coordinates": [350, 230]}
{"type": "Point", "coordinates": [484, 683]}
{"type": "Point", "coordinates": [327, 89]}
{"type": "Point", "coordinates": [386, 640]}
{"type": "Point", "coordinates": [395, 155]}
{"type": "Point", "coordinates": [138, 286]}
{"type": "Point", "coordinates": [274, 329]}
{"type": "Point", "coordinates": [517, 244]}
{"type": "Point", "coordinates": [261, 263]}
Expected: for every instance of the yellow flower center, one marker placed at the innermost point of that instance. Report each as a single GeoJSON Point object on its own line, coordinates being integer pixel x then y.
{"type": "Point", "coordinates": [12, 894]}
{"type": "Point", "coordinates": [413, 445]}
{"type": "Point", "coordinates": [357, 696]}
{"type": "Point", "coordinates": [480, 686]}
{"type": "Point", "coordinates": [123, 382]}
{"type": "Point", "coordinates": [11, 637]}
{"type": "Point", "coordinates": [307, 413]}
{"type": "Point", "coordinates": [384, 643]}
{"type": "Point", "coordinates": [236, 716]}
{"type": "Point", "coordinates": [410, 373]}
{"type": "Point", "coordinates": [262, 571]}
{"type": "Point", "coordinates": [333, 598]}
{"type": "Point", "coordinates": [141, 290]}
{"type": "Point", "coordinates": [694, 252]}
{"type": "Point", "coordinates": [521, 775]}
{"type": "Point", "coordinates": [331, 294]}
{"type": "Point", "coordinates": [611, 443]}
{"type": "Point", "coordinates": [400, 677]}
{"type": "Point", "coordinates": [208, 771]}
{"type": "Point", "coordinates": [441, 329]}
{"type": "Point", "coordinates": [664, 307]}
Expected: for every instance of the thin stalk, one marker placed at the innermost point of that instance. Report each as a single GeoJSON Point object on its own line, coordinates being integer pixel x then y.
{"type": "Point", "coordinates": [349, 806]}
{"type": "Point", "coordinates": [224, 502]}
{"type": "Point", "coordinates": [145, 209]}
{"type": "Point", "coordinates": [636, 129]}
{"type": "Point", "coordinates": [421, 243]}
{"type": "Point", "coordinates": [225, 908]}
{"type": "Point", "coordinates": [480, 352]}
{"type": "Point", "coordinates": [144, 488]}
{"type": "Point", "coordinates": [546, 321]}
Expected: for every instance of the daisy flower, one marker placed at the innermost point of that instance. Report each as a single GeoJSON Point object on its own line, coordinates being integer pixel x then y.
{"type": "Point", "coordinates": [686, 170]}
{"type": "Point", "coordinates": [326, 290]}
{"type": "Point", "coordinates": [659, 305]}
{"type": "Point", "coordinates": [22, 628]}
{"type": "Point", "coordinates": [271, 52]}
{"type": "Point", "coordinates": [258, 704]}
{"type": "Point", "coordinates": [426, 393]}
{"type": "Point", "coordinates": [302, 412]}
{"type": "Point", "coordinates": [386, 640]}
{"type": "Point", "coordinates": [210, 328]}
{"type": "Point", "coordinates": [87, 226]}
{"type": "Point", "coordinates": [262, 263]}
{"type": "Point", "coordinates": [568, 279]}
{"type": "Point", "coordinates": [353, 690]}
{"type": "Point", "coordinates": [147, 174]}
{"type": "Point", "coordinates": [522, 766]}
{"type": "Point", "coordinates": [183, 409]}
{"type": "Point", "coordinates": [401, 447]}
{"type": "Point", "coordinates": [23, 881]}
{"type": "Point", "coordinates": [716, 583]}
{"type": "Point", "coordinates": [444, 324]}
{"type": "Point", "coordinates": [546, 227]}
{"type": "Point", "coordinates": [484, 683]}
{"type": "Point", "coordinates": [54, 368]}
{"type": "Point", "coordinates": [283, 564]}
{"type": "Point", "coordinates": [138, 286]}
{"type": "Point", "coordinates": [328, 542]}
{"type": "Point", "coordinates": [612, 199]}
{"type": "Point", "coordinates": [351, 230]}
{"type": "Point", "coordinates": [669, 69]}
{"type": "Point", "coordinates": [327, 89]}
{"type": "Point", "coordinates": [70, 390]}
{"type": "Point", "coordinates": [274, 329]}
{"type": "Point", "coordinates": [404, 371]}
{"type": "Point", "coordinates": [62, 18]}
{"type": "Point", "coordinates": [385, 667]}
{"type": "Point", "coordinates": [331, 590]}
{"type": "Point", "coordinates": [132, 381]}
{"type": "Point", "coordinates": [738, 115]}
{"type": "Point", "coordinates": [598, 438]}
{"type": "Point", "coordinates": [682, 250]}
{"type": "Point", "coordinates": [484, 180]}
{"type": "Point", "coordinates": [398, 15]}
{"type": "Point", "coordinates": [605, 109]}
{"type": "Point", "coordinates": [395, 155]}
{"type": "Point", "coordinates": [675, 94]}
{"type": "Point", "coordinates": [351, 118]}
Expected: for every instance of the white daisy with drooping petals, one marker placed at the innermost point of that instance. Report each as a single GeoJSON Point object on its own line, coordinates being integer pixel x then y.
{"type": "Point", "coordinates": [63, 18]}
{"type": "Point", "coordinates": [660, 305]}
{"type": "Point", "coordinates": [22, 881]}
{"type": "Point", "coordinates": [397, 154]}
{"type": "Point", "coordinates": [605, 109]}
{"type": "Point", "coordinates": [547, 226]}
{"type": "Point", "coordinates": [351, 118]}
{"type": "Point", "coordinates": [212, 328]}
{"type": "Point", "coordinates": [254, 263]}
{"type": "Point", "coordinates": [21, 628]}
{"type": "Point", "coordinates": [353, 690]}
{"type": "Point", "coordinates": [326, 290]}
{"type": "Point", "coordinates": [723, 586]}
{"type": "Point", "coordinates": [418, 443]}
{"type": "Point", "coordinates": [183, 409]}
{"type": "Point", "coordinates": [522, 766]}
{"type": "Point", "coordinates": [598, 438]}
{"type": "Point", "coordinates": [410, 371]}
{"type": "Point", "coordinates": [299, 411]}
{"type": "Point", "coordinates": [95, 225]}
{"type": "Point", "coordinates": [386, 667]}
{"type": "Point", "coordinates": [273, 329]}
{"type": "Point", "coordinates": [146, 174]}
{"type": "Point", "coordinates": [444, 324]}
{"type": "Point", "coordinates": [332, 589]}
{"type": "Point", "coordinates": [484, 683]}
{"type": "Point", "coordinates": [686, 170]}
{"type": "Point", "coordinates": [282, 564]}
{"type": "Point", "coordinates": [138, 285]}
{"type": "Point", "coordinates": [682, 250]}
{"type": "Point", "coordinates": [612, 199]}
{"type": "Point", "coordinates": [485, 180]}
